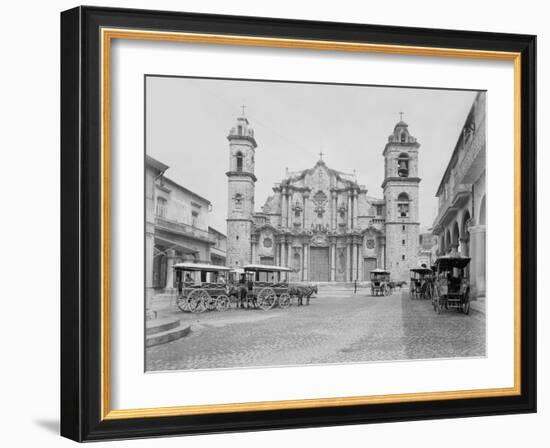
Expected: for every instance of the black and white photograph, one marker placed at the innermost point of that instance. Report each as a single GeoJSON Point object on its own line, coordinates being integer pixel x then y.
{"type": "Point", "coordinates": [293, 224]}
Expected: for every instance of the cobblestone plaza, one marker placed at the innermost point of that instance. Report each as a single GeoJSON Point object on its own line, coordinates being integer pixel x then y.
{"type": "Point", "coordinates": [337, 327]}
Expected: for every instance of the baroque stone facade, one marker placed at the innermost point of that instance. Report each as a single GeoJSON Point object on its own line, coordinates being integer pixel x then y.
{"type": "Point", "coordinates": [321, 222]}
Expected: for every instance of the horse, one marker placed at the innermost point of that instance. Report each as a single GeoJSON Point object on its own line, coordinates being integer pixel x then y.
{"type": "Point", "coordinates": [303, 291]}
{"type": "Point", "coordinates": [240, 295]}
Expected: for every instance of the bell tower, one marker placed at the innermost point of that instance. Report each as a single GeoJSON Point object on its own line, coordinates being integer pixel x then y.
{"type": "Point", "coordinates": [240, 192]}
{"type": "Point", "coordinates": [400, 187]}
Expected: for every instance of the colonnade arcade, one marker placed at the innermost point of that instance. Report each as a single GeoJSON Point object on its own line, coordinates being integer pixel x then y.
{"type": "Point", "coordinates": [466, 235]}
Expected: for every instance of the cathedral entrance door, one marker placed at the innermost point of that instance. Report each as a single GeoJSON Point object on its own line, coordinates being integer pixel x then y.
{"type": "Point", "coordinates": [368, 265]}
{"type": "Point", "coordinates": [319, 264]}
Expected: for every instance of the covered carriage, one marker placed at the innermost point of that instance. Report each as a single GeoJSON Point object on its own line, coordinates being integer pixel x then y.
{"type": "Point", "coordinates": [201, 287]}
{"type": "Point", "coordinates": [379, 282]}
{"type": "Point", "coordinates": [268, 285]}
{"type": "Point", "coordinates": [421, 285]}
{"type": "Point", "coordinates": [451, 286]}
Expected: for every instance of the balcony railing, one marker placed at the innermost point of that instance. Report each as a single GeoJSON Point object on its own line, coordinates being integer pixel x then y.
{"type": "Point", "coordinates": [184, 229]}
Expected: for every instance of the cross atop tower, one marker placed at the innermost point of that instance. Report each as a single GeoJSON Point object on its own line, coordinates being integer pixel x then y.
{"type": "Point", "coordinates": [401, 116]}
{"type": "Point", "coordinates": [243, 107]}
{"type": "Point", "coordinates": [321, 154]}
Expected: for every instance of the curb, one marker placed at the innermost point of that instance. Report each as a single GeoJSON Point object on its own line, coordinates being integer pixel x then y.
{"type": "Point", "coordinates": [170, 333]}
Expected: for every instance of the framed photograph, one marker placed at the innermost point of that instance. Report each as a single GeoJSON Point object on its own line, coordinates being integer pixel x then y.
{"type": "Point", "coordinates": [272, 223]}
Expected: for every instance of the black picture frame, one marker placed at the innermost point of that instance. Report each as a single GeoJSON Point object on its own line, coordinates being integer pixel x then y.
{"type": "Point", "coordinates": [81, 224]}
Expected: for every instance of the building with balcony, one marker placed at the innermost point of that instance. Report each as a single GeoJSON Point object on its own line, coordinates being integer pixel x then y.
{"type": "Point", "coordinates": [460, 224]}
{"type": "Point", "coordinates": [179, 225]}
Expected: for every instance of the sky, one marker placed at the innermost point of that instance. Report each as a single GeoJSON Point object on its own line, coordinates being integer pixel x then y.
{"type": "Point", "coordinates": [188, 120]}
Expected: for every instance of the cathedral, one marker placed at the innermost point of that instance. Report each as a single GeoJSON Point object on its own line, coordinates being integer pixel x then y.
{"type": "Point", "coordinates": [319, 221]}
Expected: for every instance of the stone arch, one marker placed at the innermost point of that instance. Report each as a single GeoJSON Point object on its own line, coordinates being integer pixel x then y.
{"type": "Point", "coordinates": [403, 206]}
{"type": "Point", "coordinates": [481, 218]}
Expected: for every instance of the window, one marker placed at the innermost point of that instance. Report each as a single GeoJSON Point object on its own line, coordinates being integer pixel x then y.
{"type": "Point", "coordinates": [161, 207]}
{"type": "Point", "coordinates": [403, 137]}
{"type": "Point", "coordinates": [194, 218]}
{"type": "Point", "coordinates": [403, 205]}
{"type": "Point", "coordinates": [403, 242]}
{"type": "Point", "coordinates": [402, 257]}
{"type": "Point", "coordinates": [239, 157]}
{"type": "Point", "coordinates": [379, 210]}
{"type": "Point", "coordinates": [240, 130]}
{"type": "Point", "coordinates": [403, 228]}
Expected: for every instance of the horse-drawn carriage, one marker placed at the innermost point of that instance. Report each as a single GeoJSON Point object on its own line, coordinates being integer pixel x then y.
{"type": "Point", "coordinates": [201, 287]}
{"type": "Point", "coordinates": [379, 282]}
{"type": "Point", "coordinates": [267, 286]}
{"type": "Point", "coordinates": [421, 286]}
{"type": "Point", "coordinates": [451, 286]}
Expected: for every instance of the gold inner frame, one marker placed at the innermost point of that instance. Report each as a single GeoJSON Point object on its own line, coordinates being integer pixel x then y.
{"type": "Point", "coordinates": [107, 35]}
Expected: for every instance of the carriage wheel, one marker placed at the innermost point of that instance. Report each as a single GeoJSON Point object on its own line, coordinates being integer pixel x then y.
{"type": "Point", "coordinates": [266, 298]}
{"type": "Point", "coordinates": [197, 301]}
{"type": "Point", "coordinates": [222, 303]}
{"type": "Point", "coordinates": [182, 304]}
{"type": "Point", "coordinates": [284, 301]}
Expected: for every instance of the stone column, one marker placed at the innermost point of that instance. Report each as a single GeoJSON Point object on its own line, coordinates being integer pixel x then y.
{"type": "Point", "coordinates": [306, 204]}
{"type": "Point", "coordinates": [288, 209]}
{"type": "Point", "coordinates": [360, 263]}
{"type": "Point", "coordinates": [477, 265]}
{"type": "Point", "coordinates": [283, 253]}
{"type": "Point", "coordinates": [333, 261]}
{"type": "Point", "coordinates": [170, 256]}
{"type": "Point", "coordinates": [288, 255]}
{"type": "Point", "coordinates": [348, 261]}
{"type": "Point", "coordinates": [355, 209]}
{"type": "Point", "coordinates": [350, 201]}
{"type": "Point", "coordinates": [354, 263]}
{"type": "Point", "coordinates": [149, 263]}
{"type": "Point", "coordinates": [335, 210]}
{"type": "Point", "coordinates": [284, 206]}
{"type": "Point", "coordinates": [305, 262]}
{"type": "Point", "coordinates": [382, 242]}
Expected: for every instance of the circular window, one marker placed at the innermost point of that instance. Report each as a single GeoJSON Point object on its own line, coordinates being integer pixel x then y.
{"type": "Point", "coordinates": [268, 242]}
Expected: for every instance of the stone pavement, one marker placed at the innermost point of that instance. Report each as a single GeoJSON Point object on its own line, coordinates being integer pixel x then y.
{"type": "Point", "coordinates": [337, 327]}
